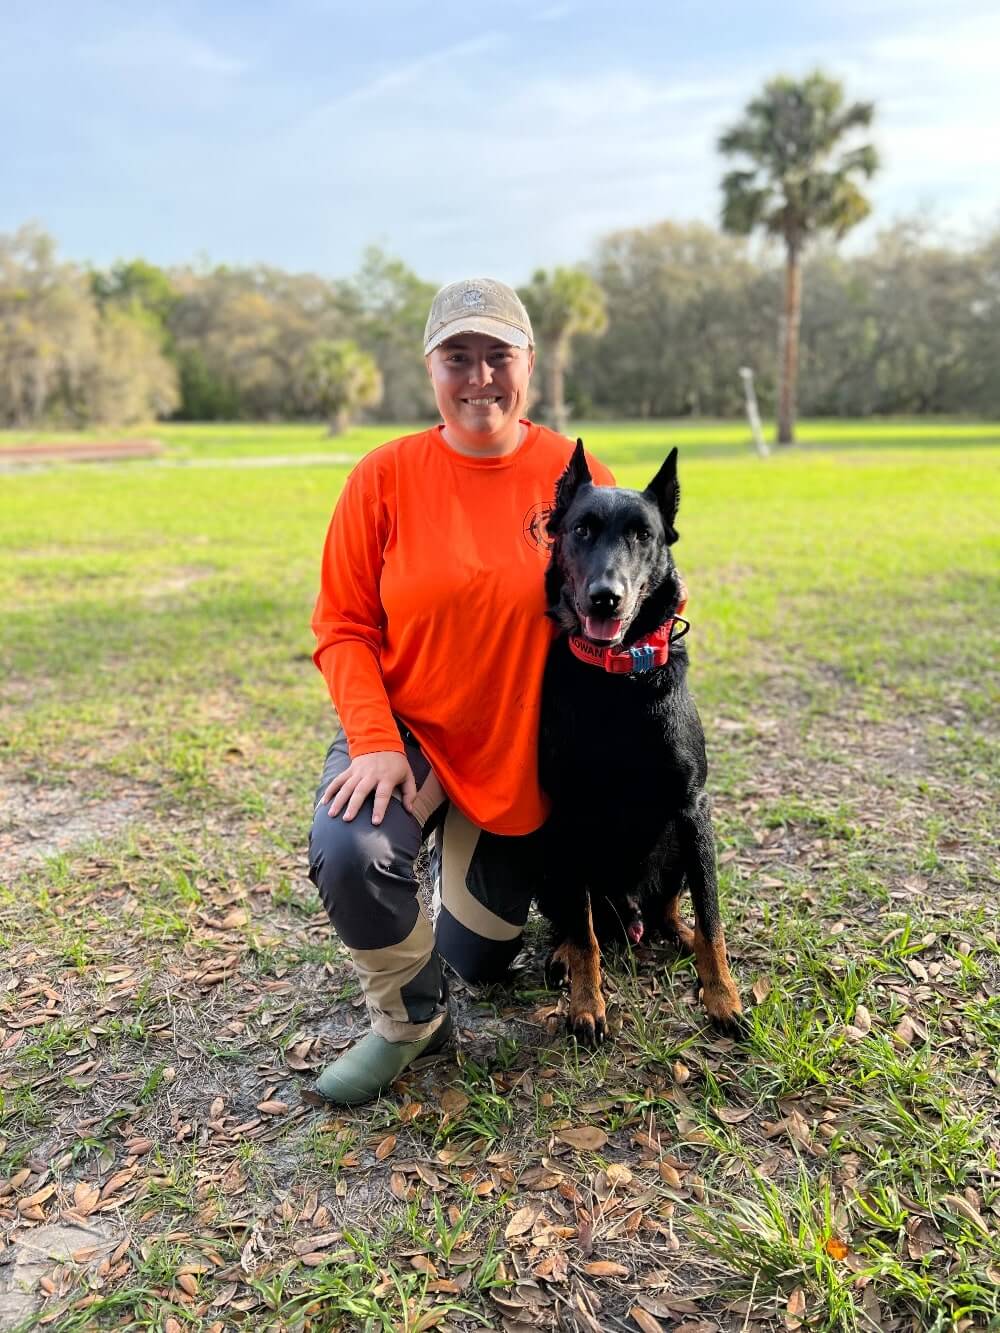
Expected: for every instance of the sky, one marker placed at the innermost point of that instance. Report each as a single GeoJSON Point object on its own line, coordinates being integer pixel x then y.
{"type": "Point", "coordinates": [465, 139]}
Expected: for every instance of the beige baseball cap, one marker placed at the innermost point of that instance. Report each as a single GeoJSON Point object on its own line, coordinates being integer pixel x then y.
{"type": "Point", "coordinates": [478, 305]}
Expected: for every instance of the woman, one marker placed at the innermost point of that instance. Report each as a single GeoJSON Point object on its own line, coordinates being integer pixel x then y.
{"type": "Point", "coordinates": [431, 635]}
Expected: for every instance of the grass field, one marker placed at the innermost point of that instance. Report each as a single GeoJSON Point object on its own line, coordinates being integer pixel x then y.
{"type": "Point", "coordinates": [167, 982]}
{"type": "Point", "coordinates": [636, 442]}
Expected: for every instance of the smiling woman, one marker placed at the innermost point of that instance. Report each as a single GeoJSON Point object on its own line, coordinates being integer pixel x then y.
{"type": "Point", "coordinates": [432, 637]}
{"type": "Point", "coordinates": [481, 387]}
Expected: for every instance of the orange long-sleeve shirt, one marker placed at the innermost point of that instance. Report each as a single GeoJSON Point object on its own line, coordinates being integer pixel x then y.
{"type": "Point", "coordinates": [432, 608]}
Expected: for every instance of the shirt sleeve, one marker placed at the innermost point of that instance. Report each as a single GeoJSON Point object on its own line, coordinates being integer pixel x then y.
{"type": "Point", "coordinates": [349, 618]}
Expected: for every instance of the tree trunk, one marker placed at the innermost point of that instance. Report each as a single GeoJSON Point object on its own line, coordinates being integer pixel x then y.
{"type": "Point", "coordinates": [788, 343]}
{"type": "Point", "coordinates": [339, 422]}
{"type": "Point", "coordinates": [556, 369]}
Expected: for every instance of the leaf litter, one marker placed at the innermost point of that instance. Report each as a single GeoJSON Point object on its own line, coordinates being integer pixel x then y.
{"type": "Point", "coordinates": [171, 1076]}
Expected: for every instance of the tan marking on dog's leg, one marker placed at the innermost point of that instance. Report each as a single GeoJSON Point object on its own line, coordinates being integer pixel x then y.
{"type": "Point", "coordinates": [587, 1011]}
{"type": "Point", "coordinates": [719, 993]}
{"type": "Point", "coordinates": [675, 926]}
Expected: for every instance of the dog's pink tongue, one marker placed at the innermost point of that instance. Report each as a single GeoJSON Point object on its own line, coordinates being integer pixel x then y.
{"type": "Point", "coordinates": [634, 932]}
{"type": "Point", "coordinates": [601, 629]}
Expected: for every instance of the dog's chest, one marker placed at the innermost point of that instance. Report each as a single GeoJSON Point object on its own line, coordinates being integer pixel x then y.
{"type": "Point", "coordinates": [614, 742]}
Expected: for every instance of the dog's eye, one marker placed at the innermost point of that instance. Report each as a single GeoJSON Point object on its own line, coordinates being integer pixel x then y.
{"type": "Point", "coordinates": [643, 534]}
{"type": "Point", "coordinates": [581, 530]}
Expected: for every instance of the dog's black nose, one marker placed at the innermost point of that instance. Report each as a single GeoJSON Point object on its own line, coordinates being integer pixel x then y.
{"type": "Point", "coordinates": [605, 597]}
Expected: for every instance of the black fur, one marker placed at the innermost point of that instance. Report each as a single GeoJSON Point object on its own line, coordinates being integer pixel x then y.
{"type": "Point", "coordinates": [622, 756]}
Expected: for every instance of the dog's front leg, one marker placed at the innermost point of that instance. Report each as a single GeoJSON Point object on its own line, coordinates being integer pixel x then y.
{"type": "Point", "coordinates": [579, 955]}
{"type": "Point", "coordinates": [721, 998]}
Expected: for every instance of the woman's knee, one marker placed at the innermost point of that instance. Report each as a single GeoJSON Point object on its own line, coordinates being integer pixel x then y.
{"type": "Point", "coordinates": [364, 874]}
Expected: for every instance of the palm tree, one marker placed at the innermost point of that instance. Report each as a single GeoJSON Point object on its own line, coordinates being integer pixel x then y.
{"type": "Point", "coordinates": [795, 188]}
{"type": "Point", "coordinates": [561, 305]}
{"type": "Point", "coordinates": [337, 378]}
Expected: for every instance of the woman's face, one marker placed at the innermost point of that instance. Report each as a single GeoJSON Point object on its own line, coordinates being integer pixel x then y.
{"type": "Point", "coordinates": [481, 387]}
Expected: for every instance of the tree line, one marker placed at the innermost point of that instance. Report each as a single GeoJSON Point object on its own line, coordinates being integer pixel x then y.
{"type": "Point", "coordinates": [911, 325]}
{"type": "Point", "coordinates": [658, 322]}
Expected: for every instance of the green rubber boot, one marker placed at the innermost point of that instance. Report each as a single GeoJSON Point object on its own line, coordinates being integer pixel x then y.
{"type": "Point", "coordinates": [373, 1063]}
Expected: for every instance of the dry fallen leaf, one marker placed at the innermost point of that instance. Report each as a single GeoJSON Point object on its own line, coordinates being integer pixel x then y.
{"type": "Point", "coordinates": [922, 1237]}
{"type": "Point", "coordinates": [428, 1176]}
{"type": "Point", "coordinates": [272, 1108]}
{"type": "Point", "coordinates": [836, 1248]}
{"type": "Point", "coordinates": [86, 1197]}
{"type": "Point", "coordinates": [795, 1308]}
{"type": "Point", "coordinates": [733, 1115]}
{"type": "Point", "coordinates": [36, 1199]}
{"type": "Point", "coordinates": [645, 1320]}
{"type": "Point", "coordinates": [955, 1203]}
{"type": "Point", "coordinates": [605, 1268]}
{"type": "Point", "coordinates": [618, 1175]}
{"type": "Point", "coordinates": [453, 1102]}
{"type": "Point", "coordinates": [669, 1174]}
{"type": "Point", "coordinates": [905, 1032]}
{"type": "Point", "coordinates": [385, 1148]}
{"type": "Point", "coordinates": [303, 1055]}
{"type": "Point", "coordinates": [587, 1137]}
{"type": "Point", "coordinates": [522, 1221]}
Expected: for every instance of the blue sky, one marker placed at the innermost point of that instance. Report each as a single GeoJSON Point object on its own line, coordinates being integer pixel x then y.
{"type": "Point", "coordinates": [464, 138]}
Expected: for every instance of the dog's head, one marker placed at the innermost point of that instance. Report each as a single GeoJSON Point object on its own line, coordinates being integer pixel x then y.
{"type": "Point", "coordinates": [611, 576]}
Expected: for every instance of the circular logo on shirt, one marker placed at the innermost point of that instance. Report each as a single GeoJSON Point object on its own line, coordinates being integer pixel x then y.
{"type": "Point", "coordinates": [534, 526]}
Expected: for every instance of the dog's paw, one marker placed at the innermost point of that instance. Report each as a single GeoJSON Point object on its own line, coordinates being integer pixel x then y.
{"type": "Point", "coordinates": [588, 1027]}
{"type": "Point", "coordinates": [724, 1008]}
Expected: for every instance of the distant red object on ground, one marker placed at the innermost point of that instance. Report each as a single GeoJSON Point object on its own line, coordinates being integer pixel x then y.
{"type": "Point", "coordinates": [79, 451]}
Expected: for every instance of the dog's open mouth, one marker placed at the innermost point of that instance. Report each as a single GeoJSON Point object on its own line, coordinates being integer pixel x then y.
{"type": "Point", "coordinates": [602, 631]}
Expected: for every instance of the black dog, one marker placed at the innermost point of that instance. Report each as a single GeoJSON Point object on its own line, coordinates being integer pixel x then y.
{"type": "Point", "coordinates": [622, 751]}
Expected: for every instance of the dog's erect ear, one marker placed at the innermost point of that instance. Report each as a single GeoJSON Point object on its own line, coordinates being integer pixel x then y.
{"type": "Point", "coordinates": [576, 474]}
{"type": "Point", "coordinates": [665, 491]}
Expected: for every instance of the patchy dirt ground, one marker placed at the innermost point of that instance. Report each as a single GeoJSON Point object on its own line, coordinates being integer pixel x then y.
{"type": "Point", "coordinates": [38, 822]}
{"type": "Point", "coordinates": [170, 986]}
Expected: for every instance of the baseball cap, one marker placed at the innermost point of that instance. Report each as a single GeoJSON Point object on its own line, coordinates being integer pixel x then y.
{"type": "Point", "coordinates": [478, 305]}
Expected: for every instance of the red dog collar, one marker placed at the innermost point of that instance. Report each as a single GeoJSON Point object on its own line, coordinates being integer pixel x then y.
{"type": "Point", "coordinates": [646, 655]}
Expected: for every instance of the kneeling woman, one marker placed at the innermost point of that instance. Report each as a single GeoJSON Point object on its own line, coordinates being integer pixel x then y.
{"type": "Point", "coordinates": [432, 637]}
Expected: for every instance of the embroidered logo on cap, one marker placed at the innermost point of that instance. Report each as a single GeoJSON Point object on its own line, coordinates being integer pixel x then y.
{"type": "Point", "coordinates": [473, 298]}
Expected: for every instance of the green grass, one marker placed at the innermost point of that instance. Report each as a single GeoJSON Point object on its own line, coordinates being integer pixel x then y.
{"type": "Point", "coordinates": [157, 700]}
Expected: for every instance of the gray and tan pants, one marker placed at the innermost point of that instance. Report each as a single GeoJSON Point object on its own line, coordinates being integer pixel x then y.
{"type": "Point", "coordinates": [484, 884]}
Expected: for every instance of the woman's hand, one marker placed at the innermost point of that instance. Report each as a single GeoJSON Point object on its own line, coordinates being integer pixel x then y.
{"type": "Point", "coordinates": [381, 773]}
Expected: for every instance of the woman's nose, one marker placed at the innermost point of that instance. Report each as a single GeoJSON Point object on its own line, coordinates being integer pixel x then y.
{"type": "Point", "coordinates": [480, 372]}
